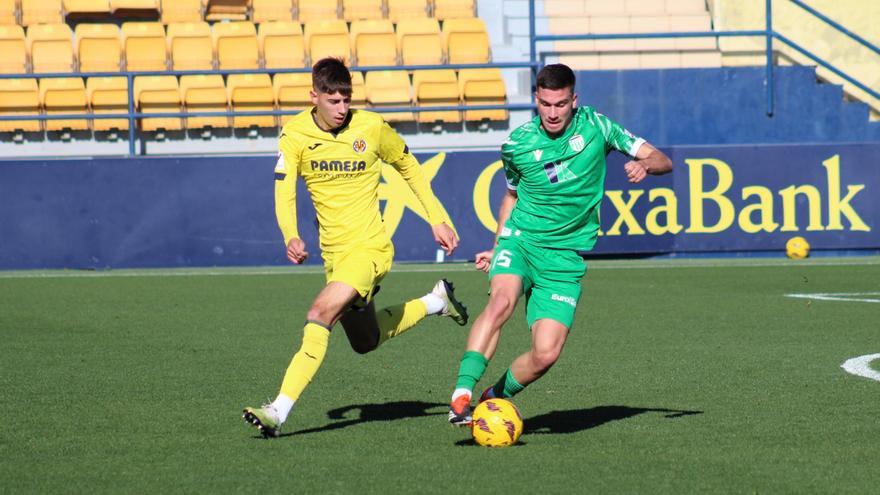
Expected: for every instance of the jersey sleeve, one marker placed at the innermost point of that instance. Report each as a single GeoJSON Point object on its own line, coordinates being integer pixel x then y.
{"type": "Point", "coordinates": [393, 151]}
{"type": "Point", "coordinates": [616, 136]}
{"type": "Point", "coordinates": [510, 171]}
{"type": "Point", "coordinates": [286, 172]}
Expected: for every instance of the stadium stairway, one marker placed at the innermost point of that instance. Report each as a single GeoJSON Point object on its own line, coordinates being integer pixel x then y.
{"type": "Point", "coordinates": [727, 106]}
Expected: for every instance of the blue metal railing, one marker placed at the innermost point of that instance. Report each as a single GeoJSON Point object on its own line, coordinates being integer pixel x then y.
{"type": "Point", "coordinates": [768, 33]}
{"type": "Point", "coordinates": [533, 64]}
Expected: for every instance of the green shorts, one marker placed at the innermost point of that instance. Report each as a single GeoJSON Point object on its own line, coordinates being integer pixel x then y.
{"type": "Point", "coordinates": [551, 278]}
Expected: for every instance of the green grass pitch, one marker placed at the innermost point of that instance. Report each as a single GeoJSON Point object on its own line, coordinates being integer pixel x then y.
{"type": "Point", "coordinates": [679, 376]}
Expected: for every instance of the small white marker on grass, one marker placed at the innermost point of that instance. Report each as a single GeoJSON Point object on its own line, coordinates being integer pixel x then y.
{"type": "Point", "coordinates": [860, 366]}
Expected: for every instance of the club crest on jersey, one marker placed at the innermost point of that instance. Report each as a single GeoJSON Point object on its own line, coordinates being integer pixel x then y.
{"type": "Point", "coordinates": [576, 142]}
{"type": "Point", "coordinates": [538, 154]}
{"type": "Point", "coordinates": [359, 145]}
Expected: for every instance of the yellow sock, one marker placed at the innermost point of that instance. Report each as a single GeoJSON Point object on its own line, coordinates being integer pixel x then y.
{"type": "Point", "coordinates": [394, 320]}
{"type": "Point", "coordinates": [306, 362]}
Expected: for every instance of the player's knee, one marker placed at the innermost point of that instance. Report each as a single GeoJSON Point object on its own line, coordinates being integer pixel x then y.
{"type": "Point", "coordinates": [318, 313]}
{"type": "Point", "coordinates": [500, 307]}
{"type": "Point", "coordinates": [544, 359]}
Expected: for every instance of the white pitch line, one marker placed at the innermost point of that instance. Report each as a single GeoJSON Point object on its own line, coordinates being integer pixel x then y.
{"type": "Point", "coordinates": [839, 296]}
{"type": "Point", "coordinates": [860, 366]}
{"type": "Point", "coordinates": [452, 267]}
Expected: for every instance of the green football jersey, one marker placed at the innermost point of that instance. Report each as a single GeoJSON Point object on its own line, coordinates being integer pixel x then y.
{"type": "Point", "coordinates": [560, 181]}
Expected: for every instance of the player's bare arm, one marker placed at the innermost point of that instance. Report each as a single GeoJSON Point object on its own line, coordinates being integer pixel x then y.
{"type": "Point", "coordinates": [648, 160]}
{"type": "Point", "coordinates": [484, 258]}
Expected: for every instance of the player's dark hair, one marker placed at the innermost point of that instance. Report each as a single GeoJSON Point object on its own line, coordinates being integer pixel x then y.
{"type": "Point", "coordinates": [555, 76]}
{"type": "Point", "coordinates": [330, 75]}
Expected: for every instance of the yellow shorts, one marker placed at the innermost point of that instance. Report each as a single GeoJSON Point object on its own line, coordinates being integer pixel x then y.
{"type": "Point", "coordinates": [361, 267]}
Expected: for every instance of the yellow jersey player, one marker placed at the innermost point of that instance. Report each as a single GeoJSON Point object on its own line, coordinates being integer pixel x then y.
{"type": "Point", "coordinates": [338, 153]}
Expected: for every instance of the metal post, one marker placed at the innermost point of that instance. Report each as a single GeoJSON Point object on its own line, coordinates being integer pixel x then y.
{"type": "Point", "coordinates": [131, 119]}
{"type": "Point", "coordinates": [532, 49]}
{"type": "Point", "coordinates": [769, 70]}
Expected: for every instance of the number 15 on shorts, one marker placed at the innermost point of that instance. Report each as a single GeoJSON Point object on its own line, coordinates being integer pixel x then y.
{"type": "Point", "coordinates": [502, 259]}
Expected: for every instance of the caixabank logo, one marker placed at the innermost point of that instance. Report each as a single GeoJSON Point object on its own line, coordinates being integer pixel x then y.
{"type": "Point", "coordinates": [736, 198]}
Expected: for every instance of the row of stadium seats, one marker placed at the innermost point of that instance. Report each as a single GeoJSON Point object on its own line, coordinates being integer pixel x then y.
{"type": "Point", "coordinates": [242, 92]}
{"type": "Point", "coordinates": [145, 46]}
{"type": "Point", "coordinates": [28, 12]}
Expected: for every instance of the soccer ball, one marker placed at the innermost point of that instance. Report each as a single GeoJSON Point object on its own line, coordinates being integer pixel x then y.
{"type": "Point", "coordinates": [797, 248]}
{"type": "Point", "coordinates": [497, 423]}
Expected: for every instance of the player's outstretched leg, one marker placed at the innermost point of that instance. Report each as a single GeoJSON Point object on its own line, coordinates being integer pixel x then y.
{"type": "Point", "coordinates": [264, 418]}
{"type": "Point", "coordinates": [453, 307]}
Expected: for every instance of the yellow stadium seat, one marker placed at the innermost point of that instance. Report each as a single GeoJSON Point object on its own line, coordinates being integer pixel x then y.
{"type": "Point", "coordinates": [407, 9]}
{"type": "Point", "coordinates": [64, 95]}
{"type": "Point", "coordinates": [390, 88]}
{"type": "Point", "coordinates": [466, 41]}
{"type": "Point", "coordinates": [108, 95]}
{"type": "Point", "coordinates": [41, 12]}
{"type": "Point", "coordinates": [127, 9]}
{"type": "Point", "coordinates": [204, 93]}
{"type": "Point", "coordinates": [353, 10]}
{"type": "Point", "coordinates": [13, 50]}
{"type": "Point", "coordinates": [434, 88]}
{"type": "Point", "coordinates": [8, 10]}
{"type": "Point", "coordinates": [358, 90]}
{"type": "Point", "coordinates": [292, 93]}
{"type": "Point", "coordinates": [51, 48]}
{"type": "Point", "coordinates": [181, 11]}
{"type": "Point", "coordinates": [19, 97]}
{"type": "Point", "coordinates": [317, 10]}
{"type": "Point", "coordinates": [281, 43]}
{"type": "Point", "coordinates": [86, 9]}
{"type": "Point", "coordinates": [373, 42]}
{"type": "Point", "coordinates": [158, 94]}
{"type": "Point", "coordinates": [251, 93]}
{"type": "Point", "coordinates": [272, 10]}
{"type": "Point", "coordinates": [226, 10]}
{"type": "Point", "coordinates": [453, 9]}
{"type": "Point", "coordinates": [482, 87]}
{"type": "Point", "coordinates": [419, 42]}
{"type": "Point", "coordinates": [144, 45]}
{"type": "Point", "coordinates": [327, 39]}
{"type": "Point", "coordinates": [236, 45]}
{"type": "Point", "coordinates": [190, 46]}
{"type": "Point", "coordinates": [98, 47]}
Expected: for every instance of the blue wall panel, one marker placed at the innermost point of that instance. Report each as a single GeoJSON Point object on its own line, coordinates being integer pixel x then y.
{"type": "Point", "coordinates": [218, 211]}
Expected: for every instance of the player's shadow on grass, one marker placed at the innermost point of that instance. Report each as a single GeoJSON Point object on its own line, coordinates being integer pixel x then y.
{"type": "Point", "coordinates": [365, 413]}
{"type": "Point", "coordinates": [575, 420]}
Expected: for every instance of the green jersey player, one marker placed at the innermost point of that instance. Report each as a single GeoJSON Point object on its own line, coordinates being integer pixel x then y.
{"type": "Point", "coordinates": [555, 169]}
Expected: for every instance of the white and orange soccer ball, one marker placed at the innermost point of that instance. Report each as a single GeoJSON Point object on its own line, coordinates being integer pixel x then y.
{"type": "Point", "coordinates": [496, 423]}
{"type": "Point", "coordinates": [797, 248]}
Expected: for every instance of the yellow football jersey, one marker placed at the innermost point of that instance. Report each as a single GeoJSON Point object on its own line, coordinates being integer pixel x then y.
{"type": "Point", "coordinates": [342, 171]}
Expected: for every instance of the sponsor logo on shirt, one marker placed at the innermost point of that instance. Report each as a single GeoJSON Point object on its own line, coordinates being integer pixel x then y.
{"type": "Point", "coordinates": [339, 165]}
{"type": "Point", "coordinates": [566, 299]}
{"type": "Point", "coordinates": [359, 145]}
{"type": "Point", "coordinates": [576, 143]}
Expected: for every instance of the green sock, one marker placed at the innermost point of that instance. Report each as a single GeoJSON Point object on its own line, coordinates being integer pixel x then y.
{"type": "Point", "coordinates": [507, 386]}
{"type": "Point", "coordinates": [473, 365]}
